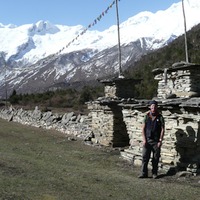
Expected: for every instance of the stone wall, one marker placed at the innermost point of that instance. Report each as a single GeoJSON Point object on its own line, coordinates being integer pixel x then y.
{"type": "Point", "coordinates": [178, 81]}
{"type": "Point", "coordinates": [181, 144]}
{"type": "Point", "coordinates": [118, 124]}
{"type": "Point", "coordinates": [68, 123]}
{"type": "Point", "coordinates": [120, 88]}
{"type": "Point", "coordinates": [116, 121]}
{"type": "Point", "coordinates": [107, 123]}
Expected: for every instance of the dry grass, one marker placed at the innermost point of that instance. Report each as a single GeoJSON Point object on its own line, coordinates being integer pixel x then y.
{"type": "Point", "coordinates": [42, 164]}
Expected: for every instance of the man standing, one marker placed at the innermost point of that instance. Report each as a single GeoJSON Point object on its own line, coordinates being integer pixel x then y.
{"type": "Point", "coordinates": [152, 133]}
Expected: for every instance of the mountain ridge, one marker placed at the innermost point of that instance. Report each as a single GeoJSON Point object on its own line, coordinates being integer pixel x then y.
{"type": "Point", "coordinates": [33, 64]}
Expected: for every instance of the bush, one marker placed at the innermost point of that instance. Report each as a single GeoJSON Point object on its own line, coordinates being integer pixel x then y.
{"type": "Point", "coordinates": [66, 98]}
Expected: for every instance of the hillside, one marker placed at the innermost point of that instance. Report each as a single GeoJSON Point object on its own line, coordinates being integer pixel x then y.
{"type": "Point", "coordinates": [163, 58]}
{"type": "Point", "coordinates": [38, 57]}
{"type": "Point", "coordinates": [73, 96]}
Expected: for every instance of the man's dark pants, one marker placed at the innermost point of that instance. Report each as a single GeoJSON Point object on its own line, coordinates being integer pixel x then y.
{"type": "Point", "coordinates": [151, 146]}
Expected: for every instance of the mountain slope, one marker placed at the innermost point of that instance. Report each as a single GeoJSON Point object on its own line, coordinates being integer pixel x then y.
{"type": "Point", "coordinates": [163, 58]}
{"type": "Point", "coordinates": [37, 55]}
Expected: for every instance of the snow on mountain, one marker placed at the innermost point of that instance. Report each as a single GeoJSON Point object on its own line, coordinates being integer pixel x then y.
{"type": "Point", "coordinates": [162, 24]}
{"type": "Point", "coordinates": [42, 28]}
{"type": "Point", "coordinates": [91, 54]}
{"type": "Point", "coordinates": [47, 38]}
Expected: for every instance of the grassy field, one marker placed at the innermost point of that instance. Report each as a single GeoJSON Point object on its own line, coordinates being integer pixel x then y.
{"type": "Point", "coordinates": [42, 164]}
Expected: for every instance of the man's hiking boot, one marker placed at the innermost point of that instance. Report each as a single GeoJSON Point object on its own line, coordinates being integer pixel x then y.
{"type": "Point", "coordinates": [155, 176]}
{"type": "Point", "coordinates": [142, 176]}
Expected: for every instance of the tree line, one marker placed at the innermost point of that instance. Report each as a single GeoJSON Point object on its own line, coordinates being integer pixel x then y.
{"type": "Point", "coordinates": [142, 69]}
{"type": "Point", "coordinates": [62, 98]}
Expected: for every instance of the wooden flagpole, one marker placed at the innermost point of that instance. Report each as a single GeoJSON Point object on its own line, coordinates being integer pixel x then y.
{"type": "Point", "coordinates": [119, 45]}
{"type": "Point", "coordinates": [186, 48]}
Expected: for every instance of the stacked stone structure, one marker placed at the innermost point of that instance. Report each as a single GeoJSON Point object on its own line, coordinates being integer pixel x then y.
{"type": "Point", "coordinates": [107, 122]}
{"type": "Point", "coordinates": [115, 120]}
{"type": "Point", "coordinates": [181, 144]}
{"type": "Point", "coordinates": [68, 123]}
{"type": "Point", "coordinates": [181, 80]}
{"type": "Point", "coordinates": [118, 115]}
{"type": "Point", "coordinates": [179, 102]}
{"type": "Point", "coordinates": [120, 88]}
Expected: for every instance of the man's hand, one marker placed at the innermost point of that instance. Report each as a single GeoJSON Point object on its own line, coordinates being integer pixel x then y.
{"type": "Point", "coordinates": [159, 143]}
{"type": "Point", "coordinates": [144, 143]}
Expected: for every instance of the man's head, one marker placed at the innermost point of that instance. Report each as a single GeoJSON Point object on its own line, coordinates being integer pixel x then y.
{"type": "Point", "coordinates": [153, 105]}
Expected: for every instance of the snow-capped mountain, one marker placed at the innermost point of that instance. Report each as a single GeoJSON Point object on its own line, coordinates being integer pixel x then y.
{"type": "Point", "coordinates": [34, 57]}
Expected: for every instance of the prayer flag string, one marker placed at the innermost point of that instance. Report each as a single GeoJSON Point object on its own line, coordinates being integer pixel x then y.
{"type": "Point", "coordinates": [89, 26]}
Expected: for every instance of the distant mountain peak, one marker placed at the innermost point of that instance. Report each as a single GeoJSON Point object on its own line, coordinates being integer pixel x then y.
{"type": "Point", "coordinates": [28, 49]}
{"type": "Point", "coordinates": [42, 28]}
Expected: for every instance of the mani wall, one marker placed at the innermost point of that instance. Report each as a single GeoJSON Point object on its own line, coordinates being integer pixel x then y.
{"type": "Point", "coordinates": [181, 144]}
{"type": "Point", "coordinates": [115, 120]}
{"type": "Point", "coordinates": [181, 80]}
{"type": "Point", "coordinates": [70, 124]}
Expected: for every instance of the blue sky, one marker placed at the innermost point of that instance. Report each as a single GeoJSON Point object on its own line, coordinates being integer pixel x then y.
{"type": "Point", "coordinates": [75, 12]}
